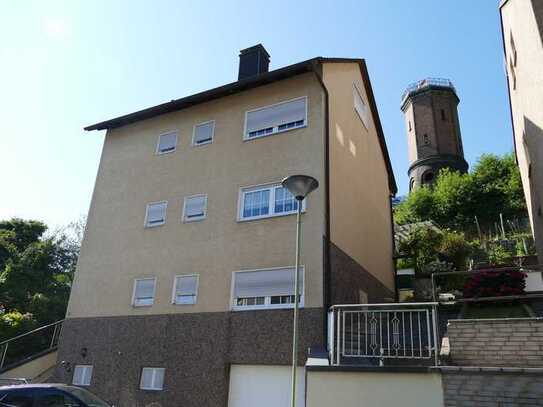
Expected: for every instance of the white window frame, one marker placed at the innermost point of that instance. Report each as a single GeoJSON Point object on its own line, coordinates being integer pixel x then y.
{"type": "Point", "coordinates": [145, 224]}
{"type": "Point", "coordinates": [272, 214]}
{"type": "Point", "coordinates": [154, 369]}
{"type": "Point", "coordinates": [134, 292]}
{"type": "Point", "coordinates": [157, 150]}
{"type": "Point", "coordinates": [267, 300]}
{"type": "Point", "coordinates": [194, 144]}
{"type": "Point", "coordinates": [195, 219]}
{"type": "Point", "coordinates": [175, 288]}
{"type": "Point", "coordinates": [275, 129]}
{"type": "Point", "coordinates": [360, 115]}
{"type": "Point", "coordinates": [86, 368]}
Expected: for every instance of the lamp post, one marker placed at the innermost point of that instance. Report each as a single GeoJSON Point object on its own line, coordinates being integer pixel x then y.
{"type": "Point", "coordinates": [299, 186]}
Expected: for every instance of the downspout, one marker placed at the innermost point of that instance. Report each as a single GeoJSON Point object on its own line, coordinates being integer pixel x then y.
{"type": "Point", "coordinates": [327, 267]}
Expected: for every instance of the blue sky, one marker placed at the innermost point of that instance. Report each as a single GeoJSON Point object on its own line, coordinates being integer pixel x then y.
{"type": "Point", "coordinates": [67, 64]}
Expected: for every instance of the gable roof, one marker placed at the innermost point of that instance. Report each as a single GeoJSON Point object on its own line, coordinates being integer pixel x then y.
{"type": "Point", "coordinates": [310, 65]}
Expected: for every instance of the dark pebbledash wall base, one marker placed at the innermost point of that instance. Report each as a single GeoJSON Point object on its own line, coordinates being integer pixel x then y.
{"type": "Point", "coordinates": [348, 277]}
{"type": "Point", "coordinates": [195, 349]}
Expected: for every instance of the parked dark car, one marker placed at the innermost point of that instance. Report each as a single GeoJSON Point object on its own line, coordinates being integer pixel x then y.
{"type": "Point", "coordinates": [48, 395]}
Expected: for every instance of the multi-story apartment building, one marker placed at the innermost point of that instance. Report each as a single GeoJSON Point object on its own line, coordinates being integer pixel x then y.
{"type": "Point", "coordinates": [522, 33]}
{"type": "Point", "coordinates": [184, 287]}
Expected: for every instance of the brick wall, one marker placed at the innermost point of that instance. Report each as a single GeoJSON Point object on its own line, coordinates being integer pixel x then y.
{"type": "Point", "coordinates": [498, 342]}
{"type": "Point", "coordinates": [486, 389]}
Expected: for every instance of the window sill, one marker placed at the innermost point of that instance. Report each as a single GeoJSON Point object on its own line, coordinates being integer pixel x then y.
{"type": "Point", "coordinates": [194, 219]}
{"type": "Point", "coordinates": [142, 305]}
{"type": "Point", "coordinates": [149, 389]}
{"type": "Point", "coordinates": [165, 152]}
{"type": "Point", "coordinates": [155, 225]}
{"type": "Point", "coordinates": [246, 138]}
{"type": "Point", "coordinates": [205, 143]}
{"type": "Point", "coordinates": [277, 215]}
{"type": "Point", "coordinates": [237, 308]}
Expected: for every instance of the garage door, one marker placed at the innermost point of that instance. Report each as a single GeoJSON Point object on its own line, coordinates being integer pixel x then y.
{"type": "Point", "coordinates": [264, 386]}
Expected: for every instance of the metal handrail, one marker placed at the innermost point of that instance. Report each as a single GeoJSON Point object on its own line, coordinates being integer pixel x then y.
{"type": "Point", "coordinates": [31, 332]}
{"type": "Point", "coordinates": [4, 345]}
{"type": "Point", "coordinates": [386, 304]}
{"type": "Point", "coordinates": [382, 332]}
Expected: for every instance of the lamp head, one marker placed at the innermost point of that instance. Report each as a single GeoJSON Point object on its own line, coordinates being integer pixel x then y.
{"type": "Point", "coordinates": [300, 185]}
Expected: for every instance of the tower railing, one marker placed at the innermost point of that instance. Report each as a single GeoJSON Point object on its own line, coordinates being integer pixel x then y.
{"type": "Point", "coordinates": [446, 83]}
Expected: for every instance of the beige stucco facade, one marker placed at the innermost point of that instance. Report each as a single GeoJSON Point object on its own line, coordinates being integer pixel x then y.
{"type": "Point", "coordinates": [118, 248]}
{"type": "Point", "coordinates": [522, 25]}
{"type": "Point", "coordinates": [354, 389]}
{"type": "Point", "coordinates": [360, 213]}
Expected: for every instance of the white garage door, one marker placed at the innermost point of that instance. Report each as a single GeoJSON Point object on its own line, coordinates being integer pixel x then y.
{"type": "Point", "coordinates": [264, 386]}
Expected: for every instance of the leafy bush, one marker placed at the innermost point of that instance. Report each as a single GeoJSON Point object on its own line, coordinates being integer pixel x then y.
{"type": "Point", "coordinates": [495, 283]}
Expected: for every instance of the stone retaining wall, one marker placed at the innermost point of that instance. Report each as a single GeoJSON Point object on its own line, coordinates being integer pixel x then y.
{"type": "Point", "coordinates": [497, 342]}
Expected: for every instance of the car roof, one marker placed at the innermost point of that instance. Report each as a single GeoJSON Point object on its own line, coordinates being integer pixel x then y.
{"type": "Point", "coordinates": [32, 386]}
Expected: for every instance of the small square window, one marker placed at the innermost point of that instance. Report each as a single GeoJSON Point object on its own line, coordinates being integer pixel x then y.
{"type": "Point", "coordinates": [185, 289]}
{"type": "Point", "coordinates": [195, 208]}
{"type": "Point", "coordinates": [82, 375]}
{"type": "Point", "coordinates": [156, 214]}
{"type": "Point", "coordinates": [144, 292]}
{"type": "Point", "coordinates": [203, 133]}
{"type": "Point", "coordinates": [166, 143]}
{"type": "Point", "coordinates": [152, 378]}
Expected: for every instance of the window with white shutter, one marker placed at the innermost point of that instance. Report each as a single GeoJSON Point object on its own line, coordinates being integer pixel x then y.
{"type": "Point", "coordinates": [152, 378]}
{"type": "Point", "coordinates": [82, 375]}
{"type": "Point", "coordinates": [271, 288]}
{"type": "Point", "coordinates": [203, 133]}
{"type": "Point", "coordinates": [166, 143]}
{"type": "Point", "coordinates": [276, 118]}
{"type": "Point", "coordinates": [155, 214]}
{"type": "Point", "coordinates": [361, 107]}
{"type": "Point", "coordinates": [144, 292]}
{"type": "Point", "coordinates": [195, 208]}
{"type": "Point", "coordinates": [185, 289]}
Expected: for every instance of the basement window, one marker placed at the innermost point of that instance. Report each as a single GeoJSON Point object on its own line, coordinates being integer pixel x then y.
{"type": "Point", "coordinates": [166, 143]}
{"type": "Point", "coordinates": [262, 289]}
{"type": "Point", "coordinates": [152, 378]}
{"type": "Point", "coordinates": [194, 208]}
{"type": "Point", "coordinates": [276, 118]}
{"type": "Point", "coordinates": [82, 375]}
{"type": "Point", "coordinates": [361, 107]}
{"type": "Point", "coordinates": [185, 289]}
{"type": "Point", "coordinates": [155, 214]}
{"type": "Point", "coordinates": [144, 292]}
{"type": "Point", "coordinates": [203, 133]}
{"type": "Point", "coordinates": [266, 201]}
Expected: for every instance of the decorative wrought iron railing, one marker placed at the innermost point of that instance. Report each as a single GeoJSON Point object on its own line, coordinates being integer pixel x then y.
{"type": "Point", "coordinates": [446, 83]}
{"type": "Point", "coordinates": [29, 344]}
{"type": "Point", "coordinates": [382, 334]}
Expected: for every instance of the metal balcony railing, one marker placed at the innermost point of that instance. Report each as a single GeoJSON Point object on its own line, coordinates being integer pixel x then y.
{"type": "Point", "coordinates": [382, 334]}
{"type": "Point", "coordinates": [29, 344]}
{"type": "Point", "coordinates": [446, 83]}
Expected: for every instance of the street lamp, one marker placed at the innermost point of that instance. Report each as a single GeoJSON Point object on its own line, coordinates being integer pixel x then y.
{"type": "Point", "coordinates": [299, 186]}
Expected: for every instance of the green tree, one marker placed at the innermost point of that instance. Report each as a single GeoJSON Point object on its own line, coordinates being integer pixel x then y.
{"type": "Point", "coordinates": [36, 272]}
{"type": "Point", "coordinates": [492, 187]}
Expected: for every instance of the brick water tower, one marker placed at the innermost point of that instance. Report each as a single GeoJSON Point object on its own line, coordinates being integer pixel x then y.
{"type": "Point", "coordinates": [433, 131]}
